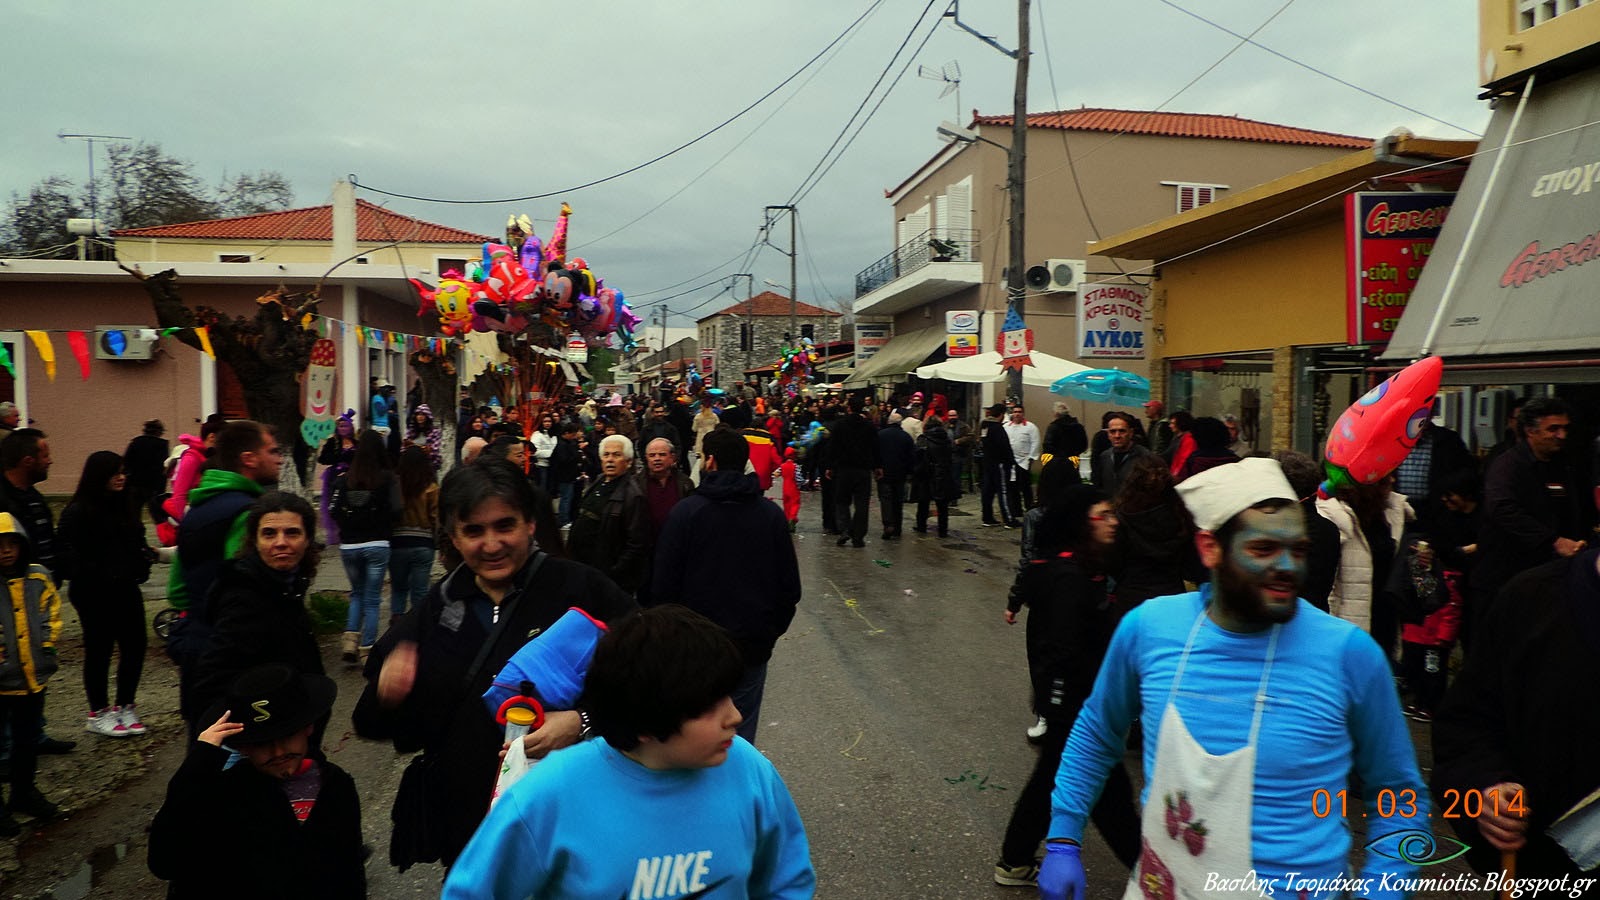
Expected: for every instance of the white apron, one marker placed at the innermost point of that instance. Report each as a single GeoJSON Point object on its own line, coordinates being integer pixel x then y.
{"type": "Point", "coordinates": [1196, 823]}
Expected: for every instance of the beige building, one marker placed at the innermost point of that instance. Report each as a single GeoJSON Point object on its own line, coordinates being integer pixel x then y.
{"type": "Point", "coordinates": [1090, 172]}
{"type": "Point", "coordinates": [225, 264]}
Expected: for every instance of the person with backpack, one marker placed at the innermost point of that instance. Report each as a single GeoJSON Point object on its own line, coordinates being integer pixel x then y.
{"type": "Point", "coordinates": [412, 546]}
{"type": "Point", "coordinates": [366, 504]}
{"type": "Point", "coordinates": [102, 548]}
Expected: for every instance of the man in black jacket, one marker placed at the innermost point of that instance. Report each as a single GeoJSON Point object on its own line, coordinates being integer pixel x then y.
{"type": "Point", "coordinates": [999, 464]}
{"type": "Point", "coordinates": [612, 529]}
{"type": "Point", "coordinates": [1065, 436]}
{"type": "Point", "coordinates": [852, 461]}
{"type": "Point", "coordinates": [1112, 463]}
{"type": "Point", "coordinates": [1535, 508]}
{"type": "Point", "coordinates": [897, 450]}
{"type": "Point", "coordinates": [727, 518]}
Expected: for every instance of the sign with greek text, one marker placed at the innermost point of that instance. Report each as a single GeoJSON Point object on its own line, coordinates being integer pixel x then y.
{"type": "Point", "coordinates": [870, 338]}
{"type": "Point", "coordinates": [958, 345]}
{"type": "Point", "coordinates": [1389, 237]}
{"type": "Point", "coordinates": [1112, 319]}
{"type": "Point", "coordinates": [577, 350]}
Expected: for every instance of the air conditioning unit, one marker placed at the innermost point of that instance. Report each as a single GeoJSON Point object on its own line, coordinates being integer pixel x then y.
{"type": "Point", "coordinates": [135, 342]}
{"type": "Point", "coordinates": [1059, 275]}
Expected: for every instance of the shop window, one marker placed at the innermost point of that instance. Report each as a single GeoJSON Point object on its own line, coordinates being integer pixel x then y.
{"type": "Point", "coordinates": [443, 264]}
{"type": "Point", "coordinates": [808, 331]}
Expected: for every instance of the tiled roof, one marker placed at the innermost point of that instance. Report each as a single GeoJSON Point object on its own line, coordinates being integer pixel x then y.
{"type": "Point", "coordinates": [374, 225]}
{"type": "Point", "coordinates": [1197, 125]}
{"type": "Point", "coordinates": [768, 303]}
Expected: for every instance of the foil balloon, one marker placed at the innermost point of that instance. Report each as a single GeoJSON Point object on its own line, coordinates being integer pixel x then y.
{"type": "Point", "coordinates": [532, 256]}
{"type": "Point", "coordinates": [561, 289]}
{"type": "Point", "coordinates": [1375, 434]}
{"type": "Point", "coordinates": [585, 278]}
{"type": "Point", "coordinates": [503, 273]}
{"type": "Point", "coordinates": [453, 301]}
{"type": "Point", "coordinates": [556, 252]}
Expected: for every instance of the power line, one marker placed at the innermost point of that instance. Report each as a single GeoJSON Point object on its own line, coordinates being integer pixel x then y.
{"type": "Point", "coordinates": [864, 100]}
{"type": "Point", "coordinates": [684, 146]}
{"type": "Point", "coordinates": [801, 194]}
{"type": "Point", "coordinates": [722, 265]}
{"type": "Point", "coordinates": [1310, 68]}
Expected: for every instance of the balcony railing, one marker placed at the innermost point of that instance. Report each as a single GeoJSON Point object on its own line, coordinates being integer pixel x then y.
{"type": "Point", "coordinates": [948, 246]}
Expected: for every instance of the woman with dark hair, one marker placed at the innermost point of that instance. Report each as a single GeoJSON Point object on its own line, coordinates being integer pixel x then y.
{"type": "Point", "coordinates": [933, 475]}
{"type": "Point", "coordinates": [411, 546]}
{"type": "Point", "coordinates": [1371, 519]}
{"type": "Point", "coordinates": [1211, 448]}
{"type": "Point", "coordinates": [423, 432]}
{"type": "Point", "coordinates": [1155, 538]}
{"type": "Point", "coordinates": [1070, 620]}
{"type": "Point", "coordinates": [427, 675]}
{"type": "Point", "coordinates": [544, 444]}
{"type": "Point", "coordinates": [336, 453]}
{"type": "Point", "coordinates": [258, 610]}
{"type": "Point", "coordinates": [1181, 425]}
{"type": "Point", "coordinates": [366, 503]}
{"type": "Point", "coordinates": [101, 544]}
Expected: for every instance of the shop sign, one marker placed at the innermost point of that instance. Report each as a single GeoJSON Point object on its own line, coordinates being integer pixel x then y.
{"type": "Point", "coordinates": [958, 345]}
{"type": "Point", "coordinates": [708, 361]}
{"type": "Point", "coordinates": [577, 350]}
{"type": "Point", "coordinates": [1112, 319]}
{"type": "Point", "coordinates": [961, 321]}
{"type": "Point", "coordinates": [1390, 236]}
{"type": "Point", "coordinates": [870, 338]}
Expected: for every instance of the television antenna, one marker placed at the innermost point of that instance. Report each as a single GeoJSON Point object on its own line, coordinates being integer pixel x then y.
{"type": "Point", "coordinates": [950, 74]}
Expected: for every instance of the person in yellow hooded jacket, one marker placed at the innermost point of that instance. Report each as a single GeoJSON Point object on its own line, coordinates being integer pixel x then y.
{"type": "Point", "coordinates": [27, 660]}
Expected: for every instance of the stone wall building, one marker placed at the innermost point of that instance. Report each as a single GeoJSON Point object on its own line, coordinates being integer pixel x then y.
{"type": "Point", "coordinates": [750, 334]}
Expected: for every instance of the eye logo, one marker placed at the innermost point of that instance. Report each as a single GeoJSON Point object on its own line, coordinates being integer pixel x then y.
{"type": "Point", "coordinates": [1417, 847]}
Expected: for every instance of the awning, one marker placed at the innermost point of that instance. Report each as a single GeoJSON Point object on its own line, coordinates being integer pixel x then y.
{"type": "Point", "coordinates": [1523, 285]}
{"type": "Point", "coordinates": [900, 356]}
{"type": "Point", "coordinates": [985, 369]}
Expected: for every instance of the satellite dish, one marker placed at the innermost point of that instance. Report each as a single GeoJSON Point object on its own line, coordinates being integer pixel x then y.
{"type": "Point", "coordinates": [1037, 277]}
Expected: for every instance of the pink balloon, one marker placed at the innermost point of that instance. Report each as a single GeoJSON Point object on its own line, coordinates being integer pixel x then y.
{"type": "Point", "coordinates": [1376, 432]}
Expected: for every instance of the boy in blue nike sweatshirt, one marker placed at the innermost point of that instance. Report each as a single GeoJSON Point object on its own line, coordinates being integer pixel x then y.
{"type": "Point", "coordinates": [671, 804]}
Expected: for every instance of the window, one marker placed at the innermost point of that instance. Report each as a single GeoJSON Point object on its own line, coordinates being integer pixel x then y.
{"type": "Point", "coordinates": [362, 260]}
{"type": "Point", "coordinates": [808, 331]}
{"type": "Point", "coordinates": [233, 257]}
{"type": "Point", "coordinates": [1537, 12]}
{"type": "Point", "coordinates": [1192, 195]}
{"type": "Point", "coordinates": [746, 337]}
{"type": "Point", "coordinates": [443, 264]}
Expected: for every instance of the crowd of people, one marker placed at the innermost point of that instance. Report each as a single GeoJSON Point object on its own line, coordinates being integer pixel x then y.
{"type": "Point", "coordinates": [1319, 622]}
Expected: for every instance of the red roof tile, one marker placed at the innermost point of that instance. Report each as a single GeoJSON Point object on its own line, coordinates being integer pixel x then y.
{"type": "Point", "coordinates": [1196, 125]}
{"type": "Point", "coordinates": [374, 225]}
{"type": "Point", "coordinates": [768, 303]}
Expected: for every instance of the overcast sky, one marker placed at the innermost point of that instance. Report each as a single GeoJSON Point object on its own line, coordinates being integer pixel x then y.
{"type": "Point", "coordinates": [526, 98]}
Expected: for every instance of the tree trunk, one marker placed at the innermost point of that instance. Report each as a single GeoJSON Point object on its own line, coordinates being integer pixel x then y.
{"type": "Point", "coordinates": [438, 377]}
{"type": "Point", "coordinates": [269, 352]}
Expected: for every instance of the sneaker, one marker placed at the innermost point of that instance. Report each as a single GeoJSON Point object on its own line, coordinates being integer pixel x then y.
{"type": "Point", "coordinates": [991, 524]}
{"type": "Point", "coordinates": [107, 723]}
{"type": "Point", "coordinates": [30, 802]}
{"type": "Point", "coordinates": [1036, 733]}
{"type": "Point", "coordinates": [130, 720]}
{"type": "Point", "coordinates": [1016, 876]}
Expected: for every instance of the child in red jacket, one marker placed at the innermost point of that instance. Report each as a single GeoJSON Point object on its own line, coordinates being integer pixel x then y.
{"type": "Point", "coordinates": [791, 488]}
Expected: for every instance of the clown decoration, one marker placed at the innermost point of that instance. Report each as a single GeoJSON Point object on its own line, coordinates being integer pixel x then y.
{"type": "Point", "coordinates": [1375, 434]}
{"type": "Point", "coordinates": [317, 426]}
{"type": "Point", "coordinates": [1015, 340]}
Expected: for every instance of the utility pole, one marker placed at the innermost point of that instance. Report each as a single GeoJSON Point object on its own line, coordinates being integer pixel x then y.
{"type": "Point", "coordinates": [1016, 185]}
{"type": "Point", "coordinates": [794, 253]}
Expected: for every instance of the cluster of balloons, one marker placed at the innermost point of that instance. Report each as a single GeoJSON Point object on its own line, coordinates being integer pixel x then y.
{"type": "Point", "coordinates": [509, 290]}
{"type": "Point", "coordinates": [796, 366]}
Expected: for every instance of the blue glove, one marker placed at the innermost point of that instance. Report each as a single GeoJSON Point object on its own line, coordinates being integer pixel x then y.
{"type": "Point", "coordinates": [1061, 875]}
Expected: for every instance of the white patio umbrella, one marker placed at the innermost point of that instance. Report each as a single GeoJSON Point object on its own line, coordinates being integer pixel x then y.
{"type": "Point", "coordinates": [985, 369]}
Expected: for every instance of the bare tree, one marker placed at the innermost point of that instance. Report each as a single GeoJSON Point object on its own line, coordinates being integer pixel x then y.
{"type": "Point", "coordinates": [144, 186]}
{"type": "Point", "coordinates": [39, 220]}
{"type": "Point", "coordinates": [254, 192]}
{"type": "Point", "coordinates": [268, 351]}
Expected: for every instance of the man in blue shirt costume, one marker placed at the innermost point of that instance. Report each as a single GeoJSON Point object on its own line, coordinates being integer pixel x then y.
{"type": "Point", "coordinates": [1257, 707]}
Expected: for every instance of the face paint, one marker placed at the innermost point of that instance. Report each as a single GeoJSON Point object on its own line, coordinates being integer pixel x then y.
{"type": "Point", "coordinates": [1259, 578]}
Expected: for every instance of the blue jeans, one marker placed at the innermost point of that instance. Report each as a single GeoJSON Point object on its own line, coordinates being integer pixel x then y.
{"type": "Point", "coordinates": [364, 566]}
{"type": "Point", "coordinates": [410, 570]}
{"type": "Point", "coordinates": [747, 699]}
{"type": "Point", "coordinates": [567, 492]}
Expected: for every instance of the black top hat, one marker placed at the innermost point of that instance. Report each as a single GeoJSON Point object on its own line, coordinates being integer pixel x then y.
{"type": "Point", "coordinates": [272, 702]}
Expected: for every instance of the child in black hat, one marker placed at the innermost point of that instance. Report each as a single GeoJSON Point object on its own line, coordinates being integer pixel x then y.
{"type": "Point", "coordinates": [279, 822]}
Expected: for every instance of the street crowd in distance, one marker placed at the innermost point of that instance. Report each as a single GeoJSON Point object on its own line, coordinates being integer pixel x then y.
{"type": "Point", "coordinates": [1254, 642]}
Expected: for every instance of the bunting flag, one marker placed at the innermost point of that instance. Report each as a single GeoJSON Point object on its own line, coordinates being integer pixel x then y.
{"type": "Point", "coordinates": [47, 351]}
{"type": "Point", "coordinates": [169, 332]}
{"type": "Point", "coordinates": [79, 342]}
{"type": "Point", "coordinates": [204, 334]}
{"type": "Point", "coordinates": [5, 361]}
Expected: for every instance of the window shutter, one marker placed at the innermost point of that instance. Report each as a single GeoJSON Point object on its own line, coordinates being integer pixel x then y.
{"type": "Point", "coordinates": [960, 220]}
{"type": "Point", "coordinates": [941, 217]}
{"type": "Point", "coordinates": [1186, 199]}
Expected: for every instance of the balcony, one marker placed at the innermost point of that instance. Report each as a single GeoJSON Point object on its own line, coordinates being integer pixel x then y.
{"type": "Point", "coordinates": [923, 269]}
